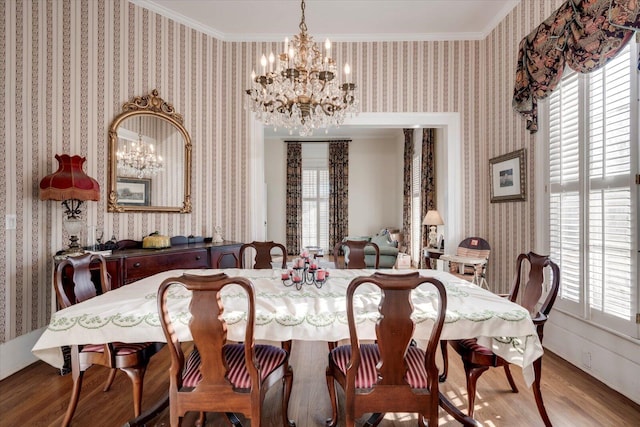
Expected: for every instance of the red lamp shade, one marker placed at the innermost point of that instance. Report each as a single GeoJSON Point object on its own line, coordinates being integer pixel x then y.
{"type": "Point", "coordinates": [69, 182]}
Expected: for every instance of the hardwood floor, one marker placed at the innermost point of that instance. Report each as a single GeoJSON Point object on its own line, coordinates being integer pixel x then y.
{"type": "Point", "coordinates": [38, 396]}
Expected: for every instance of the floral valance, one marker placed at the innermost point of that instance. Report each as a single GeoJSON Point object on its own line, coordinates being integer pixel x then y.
{"type": "Point", "coordinates": [583, 34]}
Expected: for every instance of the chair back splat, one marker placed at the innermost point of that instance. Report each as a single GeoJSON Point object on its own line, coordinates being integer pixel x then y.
{"type": "Point", "coordinates": [219, 376]}
{"type": "Point", "coordinates": [392, 374]}
{"type": "Point", "coordinates": [354, 256]}
{"type": "Point", "coordinates": [532, 291]}
{"type": "Point", "coordinates": [78, 279]}
{"type": "Point", "coordinates": [262, 254]}
{"type": "Point", "coordinates": [74, 279]}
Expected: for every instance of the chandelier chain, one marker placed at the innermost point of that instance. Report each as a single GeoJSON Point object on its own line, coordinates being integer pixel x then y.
{"type": "Point", "coordinates": [303, 24]}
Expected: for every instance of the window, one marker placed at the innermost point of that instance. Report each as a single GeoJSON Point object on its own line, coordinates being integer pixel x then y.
{"type": "Point", "coordinates": [315, 195]}
{"type": "Point", "coordinates": [593, 198]}
{"type": "Point", "coordinates": [416, 205]}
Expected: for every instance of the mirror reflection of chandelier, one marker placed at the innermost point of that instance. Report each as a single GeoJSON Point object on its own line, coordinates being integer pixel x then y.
{"type": "Point", "coordinates": [139, 159]}
{"type": "Point", "coordinates": [299, 92]}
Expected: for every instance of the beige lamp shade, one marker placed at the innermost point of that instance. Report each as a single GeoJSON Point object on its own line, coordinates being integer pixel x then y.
{"type": "Point", "coordinates": [432, 218]}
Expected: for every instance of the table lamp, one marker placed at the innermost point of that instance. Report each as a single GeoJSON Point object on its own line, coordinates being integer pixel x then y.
{"type": "Point", "coordinates": [71, 185]}
{"type": "Point", "coordinates": [432, 219]}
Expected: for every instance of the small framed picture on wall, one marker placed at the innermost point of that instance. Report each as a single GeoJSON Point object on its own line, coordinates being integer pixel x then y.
{"type": "Point", "coordinates": [508, 177]}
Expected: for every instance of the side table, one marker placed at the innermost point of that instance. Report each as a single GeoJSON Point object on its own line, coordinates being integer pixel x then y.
{"type": "Point", "coordinates": [431, 256]}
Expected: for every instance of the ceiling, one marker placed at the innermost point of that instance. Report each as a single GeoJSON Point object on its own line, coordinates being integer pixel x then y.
{"type": "Point", "coordinates": [340, 20]}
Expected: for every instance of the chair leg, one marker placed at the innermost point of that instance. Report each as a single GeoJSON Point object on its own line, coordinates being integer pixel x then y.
{"type": "Point", "coordinates": [473, 373]}
{"type": "Point", "coordinates": [202, 420]}
{"type": "Point", "coordinates": [112, 376]}
{"type": "Point", "coordinates": [445, 361]}
{"type": "Point", "coordinates": [374, 420]}
{"type": "Point", "coordinates": [512, 383]}
{"type": "Point", "coordinates": [175, 419]}
{"type": "Point", "coordinates": [287, 384]}
{"type": "Point", "coordinates": [537, 369]}
{"type": "Point", "coordinates": [233, 419]}
{"type": "Point", "coordinates": [350, 421]}
{"type": "Point", "coordinates": [75, 396]}
{"type": "Point", "coordinates": [331, 385]}
{"type": "Point", "coordinates": [137, 376]}
{"type": "Point", "coordinates": [256, 415]}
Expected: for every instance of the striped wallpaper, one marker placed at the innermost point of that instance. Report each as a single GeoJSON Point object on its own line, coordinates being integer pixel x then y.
{"type": "Point", "coordinates": [67, 66]}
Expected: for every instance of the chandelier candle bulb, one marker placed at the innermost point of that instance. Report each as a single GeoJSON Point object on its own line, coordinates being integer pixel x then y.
{"type": "Point", "coordinates": [263, 62]}
{"type": "Point", "coordinates": [271, 61]}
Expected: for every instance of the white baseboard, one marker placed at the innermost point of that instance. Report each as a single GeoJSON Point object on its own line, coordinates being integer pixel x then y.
{"type": "Point", "coordinates": [16, 354]}
{"type": "Point", "coordinates": [607, 357]}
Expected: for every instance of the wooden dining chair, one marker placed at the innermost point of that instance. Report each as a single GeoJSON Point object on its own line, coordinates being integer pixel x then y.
{"type": "Point", "coordinates": [262, 254]}
{"type": "Point", "coordinates": [78, 279]}
{"type": "Point", "coordinates": [354, 254]}
{"type": "Point", "coordinates": [392, 374]}
{"type": "Point", "coordinates": [262, 258]}
{"type": "Point", "coordinates": [219, 376]}
{"type": "Point", "coordinates": [477, 358]}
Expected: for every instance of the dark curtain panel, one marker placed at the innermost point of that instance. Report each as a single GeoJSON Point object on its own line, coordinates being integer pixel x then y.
{"type": "Point", "coordinates": [294, 197]}
{"type": "Point", "coordinates": [406, 200]}
{"type": "Point", "coordinates": [428, 181]}
{"type": "Point", "coordinates": [583, 34]}
{"type": "Point", "coordinates": [338, 191]}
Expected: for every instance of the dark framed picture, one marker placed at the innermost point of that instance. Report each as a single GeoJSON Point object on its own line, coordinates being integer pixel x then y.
{"type": "Point", "coordinates": [134, 191]}
{"type": "Point", "coordinates": [508, 177]}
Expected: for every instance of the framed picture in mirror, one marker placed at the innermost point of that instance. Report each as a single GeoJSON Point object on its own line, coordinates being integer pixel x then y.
{"type": "Point", "coordinates": [134, 191]}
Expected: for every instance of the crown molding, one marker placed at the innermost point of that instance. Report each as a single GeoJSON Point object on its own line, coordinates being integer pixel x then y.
{"type": "Point", "coordinates": [375, 37]}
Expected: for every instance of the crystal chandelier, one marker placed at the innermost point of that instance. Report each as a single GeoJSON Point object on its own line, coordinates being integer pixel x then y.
{"type": "Point", "coordinates": [299, 92]}
{"type": "Point", "coordinates": [138, 159]}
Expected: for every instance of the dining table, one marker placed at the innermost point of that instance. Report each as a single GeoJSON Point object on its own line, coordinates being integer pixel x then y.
{"type": "Point", "coordinates": [314, 312]}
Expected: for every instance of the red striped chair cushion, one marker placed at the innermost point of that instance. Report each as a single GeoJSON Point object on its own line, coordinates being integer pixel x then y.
{"type": "Point", "coordinates": [121, 348]}
{"type": "Point", "coordinates": [370, 356]}
{"type": "Point", "coordinates": [471, 345]}
{"type": "Point", "coordinates": [269, 358]}
{"type": "Point", "coordinates": [470, 350]}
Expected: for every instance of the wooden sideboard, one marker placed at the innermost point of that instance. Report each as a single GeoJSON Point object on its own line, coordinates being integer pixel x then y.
{"type": "Point", "coordinates": [128, 265]}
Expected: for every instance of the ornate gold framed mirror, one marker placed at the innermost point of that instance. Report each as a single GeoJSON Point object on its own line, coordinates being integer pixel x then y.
{"type": "Point", "coordinates": [149, 158]}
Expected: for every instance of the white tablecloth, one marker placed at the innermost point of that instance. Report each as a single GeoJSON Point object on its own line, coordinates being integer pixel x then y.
{"type": "Point", "coordinates": [129, 314]}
